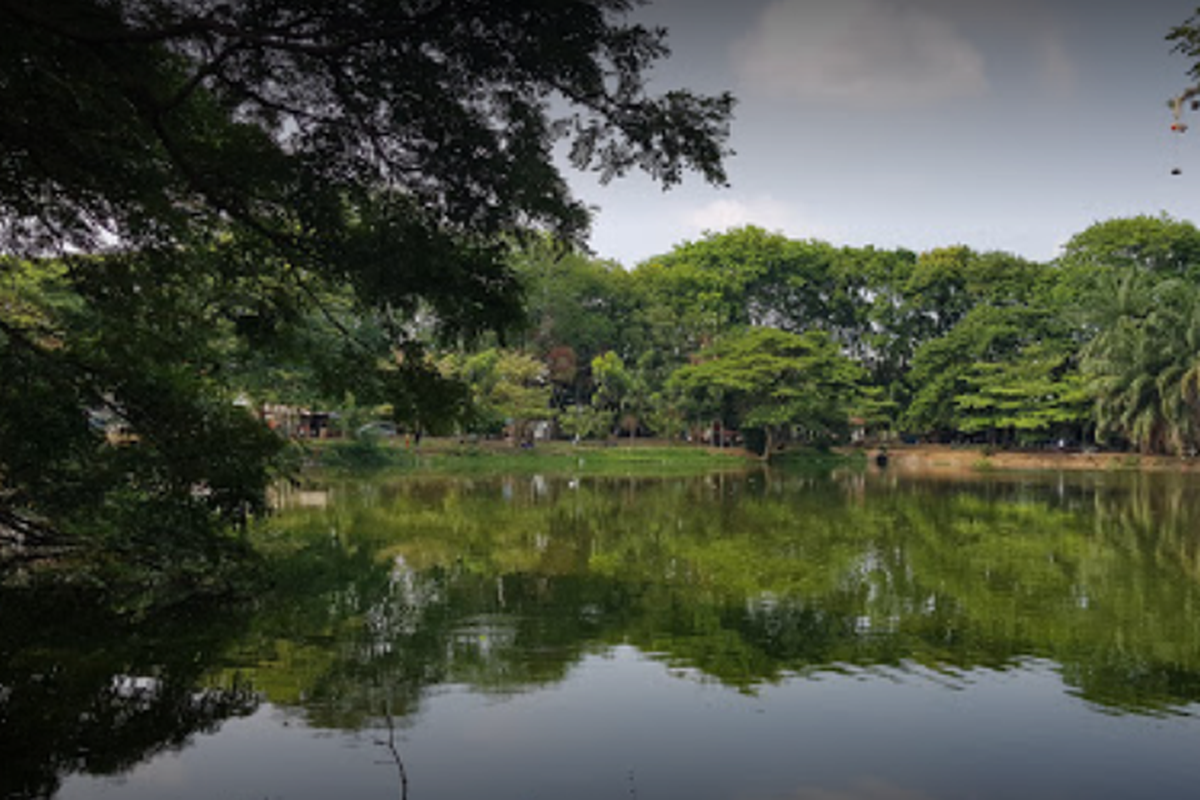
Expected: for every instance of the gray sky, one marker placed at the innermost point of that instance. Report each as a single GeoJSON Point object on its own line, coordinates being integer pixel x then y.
{"type": "Point", "coordinates": [920, 123]}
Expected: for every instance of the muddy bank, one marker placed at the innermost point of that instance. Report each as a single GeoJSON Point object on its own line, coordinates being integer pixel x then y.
{"type": "Point", "coordinates": [945, 459]}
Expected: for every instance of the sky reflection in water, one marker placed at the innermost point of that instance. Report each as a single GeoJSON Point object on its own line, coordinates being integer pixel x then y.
{"type": "Point", "coordinates": [621, 725]}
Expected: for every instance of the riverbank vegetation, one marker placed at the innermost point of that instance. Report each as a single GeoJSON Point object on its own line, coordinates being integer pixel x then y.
{"type": "Point", "coordinates": [741, 340]}
{"type": "Point", "coordinates": [755, 338]}
{"type": "Point", "coordinates": [246, 237]}
{"type": "Point", "coordinates": [745, 341]}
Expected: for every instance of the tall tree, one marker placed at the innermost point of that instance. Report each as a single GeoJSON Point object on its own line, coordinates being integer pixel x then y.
{"type": "Point", "coordinates": [614, 389]}
{"type": "Point", "coordinates": [776, 382]}
{"type": "Point", "coordinates": [289, 148]}
{"type": "Point", "coordinates": [1136, 280]}
{"type": "Point", "coordinates": [1144, 364]}
{"type": "Point", "coordinates": [578, 305]}
{"type": "Point", "coordinates": [1162, 244]}
{"type": "Point", "coordinates": [1036, 391]}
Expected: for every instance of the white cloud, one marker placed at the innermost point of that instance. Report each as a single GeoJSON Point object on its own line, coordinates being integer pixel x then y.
{"type": "Point", "coordinates": [1060, 75]}
{"type": "Point", "coordinates": [859, 52]}
{"type": "Point", "coordinates": [764, 212]}
{"type": "Point", "coordinates": [1038, 30]}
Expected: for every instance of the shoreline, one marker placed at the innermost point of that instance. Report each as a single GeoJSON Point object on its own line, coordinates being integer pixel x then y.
{"type": "Point", "coordinates": [928, 459]}
{"type": "Point", "coordinates": [980, 459]}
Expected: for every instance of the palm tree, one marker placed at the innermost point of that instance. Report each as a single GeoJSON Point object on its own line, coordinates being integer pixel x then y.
{"type": "Point", "coordinates": [1144, 362]}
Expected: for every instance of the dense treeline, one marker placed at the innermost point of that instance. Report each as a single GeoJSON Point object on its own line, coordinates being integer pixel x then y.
{"type": "Point", "coordinates": [742, 336]}
{"type": "Point", "coordinates": [802, 340]}
{"type": "Point", "coordinates": [747, 332]}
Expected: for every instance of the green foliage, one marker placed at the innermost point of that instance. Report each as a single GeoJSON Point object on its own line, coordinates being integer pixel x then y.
{"type": "Point", "coordinates": [572, 300]}
{"type": "Point", "coordinates": [1161, 245]}
{"type": "Point", "coordinates": [775, 381]}
{"type": "Point", "coordinates": [954, 342]}
{"type": "Point", "coordinates": [1037, 392]}
{"type": "Point", "coordinates": [163, 114]}
{"type": "Point", "coordinates": [117, 426]}
{"type": "Point", "coordinates": [614, 388]}
{"type": "Point", "coordinates": [1144, 363]}
{"type": "Point", "coordinates": [506, 388]}
{"type": "Point", "coordinates": [751, 277]}
{"type": "Point", "coordinates": [586, 422]}
{"type": "Point", "coordinates": [360, 454]}
{"type": "Point", "coordinates": [288, 200]}
{"type": "Point", "coordinates": [1008, 366]}
{"type": "Point", "coordinates": [1143, 306]}
{"type": "Point", "coordinates": [612, 380]}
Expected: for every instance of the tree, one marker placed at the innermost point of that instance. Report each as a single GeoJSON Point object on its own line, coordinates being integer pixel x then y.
{"type": "Point", "coordinates": [1161, 244]}
{"type": "Point", "coordinates": [506, 388]}
{"type": "Point", "coordinates": [140, 350]}
{"type": "Point", "coordinates": [1186, 37]}
{"type": "Point", "coordinates": [859, 296]}
{"type": "Point", "coordinates": [266, 155]}
{"type": "Point", "coordinates": [999, 369]}
{"type": "Point", "coordinates": [572, 299]}
{"type": "Point", "coordinates": [1143, 311]}
{"type": "Point", "coordinates": [1038, 390]}
{"type": "Point", "coordinates": [776, 382]}
{"type": "Point", "coordinates": [614, 385]}
{"type": "Point", "coordinates": [578, 305]}
{"type": "Point", "coordinates": [748, 276]}
{"type": "Point", "coordinates": [148, 113]}
{"type": "Point", "coordinates": [1144, 364]}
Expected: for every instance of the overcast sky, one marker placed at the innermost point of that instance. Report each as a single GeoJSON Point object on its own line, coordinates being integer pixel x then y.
{"type": "Point", "coordinates": [1003, 125]}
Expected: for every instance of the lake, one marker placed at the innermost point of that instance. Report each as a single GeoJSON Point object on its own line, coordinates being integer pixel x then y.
{"type": "Point", "coordinates": [760, 636]}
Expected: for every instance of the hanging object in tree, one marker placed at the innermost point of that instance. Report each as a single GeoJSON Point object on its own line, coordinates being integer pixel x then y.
{"type": "Point", "coordinates": [1178, 126]}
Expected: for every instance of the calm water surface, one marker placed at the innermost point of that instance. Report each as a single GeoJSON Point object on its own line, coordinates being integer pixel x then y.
{"type": "Point", "coordinates": [782, 636]}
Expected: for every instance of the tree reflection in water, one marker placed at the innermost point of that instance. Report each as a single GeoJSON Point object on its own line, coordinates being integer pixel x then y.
{"type": "Point", "coordinates": [504, 586]}
{"type": "Point", "coordinates": [749, 580]}
{"type": "Point", "coordinates": [83, 691]}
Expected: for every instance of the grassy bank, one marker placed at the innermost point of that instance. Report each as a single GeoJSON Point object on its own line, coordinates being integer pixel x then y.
{"type": "Point", "coordinates": [452, 457]}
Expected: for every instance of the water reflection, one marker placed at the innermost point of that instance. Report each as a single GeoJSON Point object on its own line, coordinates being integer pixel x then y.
{"type": "Point", "coordinates": [389, 593]}
{"type": "Point", "coordinates": [82, 691]}
{"type": "Point", "coordinates": [747, 580]}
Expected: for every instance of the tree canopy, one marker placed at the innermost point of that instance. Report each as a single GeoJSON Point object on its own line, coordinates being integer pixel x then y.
{"type": "Point", "coordinates": [946, 345]}
{"type": "Point", "coordinates": [775, 381]}
{"type": "Point", "coordinates": [145, 119]}
{"type": "Point", "coordinates": [330, 185]}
